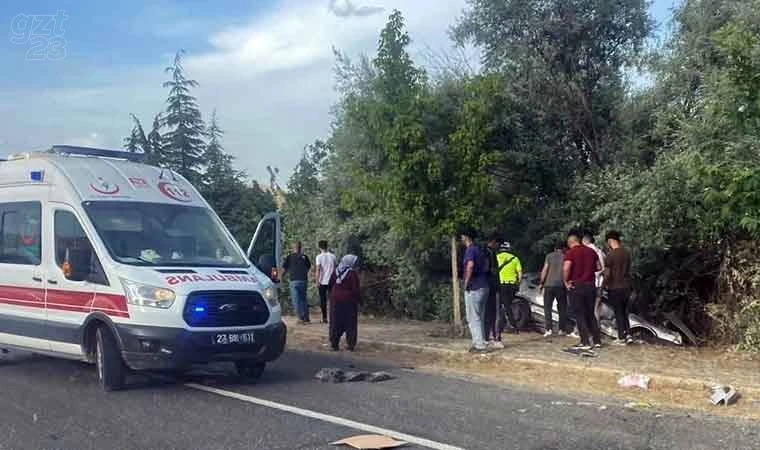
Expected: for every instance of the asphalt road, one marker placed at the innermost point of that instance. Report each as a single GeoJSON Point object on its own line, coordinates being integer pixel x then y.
{"type": "Point", "coordinates": [49, 404]}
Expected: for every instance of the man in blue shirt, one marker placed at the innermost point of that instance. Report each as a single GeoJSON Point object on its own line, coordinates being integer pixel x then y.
{"type": "Point", "coordinates": [475, 266]}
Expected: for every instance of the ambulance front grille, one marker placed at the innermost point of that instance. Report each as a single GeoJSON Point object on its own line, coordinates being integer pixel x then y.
{"type": "Point", "coordinates": [225, 309]}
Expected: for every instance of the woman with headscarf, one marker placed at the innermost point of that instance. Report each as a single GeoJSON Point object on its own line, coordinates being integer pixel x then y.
{"type": "Point", "coordinates": [344, 303]}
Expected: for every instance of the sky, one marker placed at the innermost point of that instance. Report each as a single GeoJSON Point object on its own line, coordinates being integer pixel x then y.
{"type": "Point", "coordinates": [72, 72]}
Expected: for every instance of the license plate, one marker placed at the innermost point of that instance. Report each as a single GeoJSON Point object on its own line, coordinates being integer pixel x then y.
{"type": "Point", "coordinates": [233, 338]}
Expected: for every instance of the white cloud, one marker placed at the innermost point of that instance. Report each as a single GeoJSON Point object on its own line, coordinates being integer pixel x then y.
{"type": "Point", "coordinates": [271, 82]}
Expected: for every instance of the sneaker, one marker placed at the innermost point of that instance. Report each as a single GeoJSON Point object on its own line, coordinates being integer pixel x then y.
{"type": "Point", "coordinates": [497, 345]}
{"type": "Point", "coordinates": [548, 333]}
{"type": "Point", "coordinates": [598, 345]}
{"type": "Point", "coordinates": [630, 340]}
{"type": "Point", "coordinates": [574, 335]}
{"type": "Point", "coordinates": [620, 342]}
{"type": "Point", "coordinates": [581, 346]}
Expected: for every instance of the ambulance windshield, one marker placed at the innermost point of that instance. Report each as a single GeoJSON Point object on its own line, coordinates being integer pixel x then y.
{"type": "Point", "coordinates": [157, 234]}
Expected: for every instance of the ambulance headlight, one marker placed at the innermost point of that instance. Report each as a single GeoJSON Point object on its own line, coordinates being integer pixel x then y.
{"type": "Point", "coordinates": [143, 295]}
{"type": "Point", "coordinates": [270, 295]}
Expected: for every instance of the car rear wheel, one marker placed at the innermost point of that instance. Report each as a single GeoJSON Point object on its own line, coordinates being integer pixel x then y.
{"type": "Point", "coordinates": [111, 368]}
{"type": "Point", "coordinates": [522, 314]}
{"type": "Point", "coordinates": [250, 369]}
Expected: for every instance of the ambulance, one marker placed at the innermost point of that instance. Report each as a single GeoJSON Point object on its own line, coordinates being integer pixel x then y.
{"type": "Point", "coordinates": [124, 265]}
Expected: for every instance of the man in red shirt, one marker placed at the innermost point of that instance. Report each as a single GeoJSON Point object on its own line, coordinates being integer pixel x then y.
{"type": "Point", "coordinates": [579, 273]}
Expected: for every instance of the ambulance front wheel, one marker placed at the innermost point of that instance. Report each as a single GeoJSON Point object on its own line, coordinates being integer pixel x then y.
{"type": "Point", "coordinates": [252, 370]}
{"type": "Point", "coordinates": [111, 368]}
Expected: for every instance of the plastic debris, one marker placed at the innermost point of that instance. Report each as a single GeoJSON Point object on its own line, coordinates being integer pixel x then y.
{"type": "Point", "coordinates": [640, 404]}
{"type": "Point", "coordinates": [377, 377]}
{"type": "Point", "coordinates": [603, 408]}
{"type": "Point", "coordinates": [634, 380]}
{"type": "Point", "coordinates": [726, 395]}
{"type": "Point", "coordinates": [370, 441]}
{"type": "Point", "coordinates": [330, 375]}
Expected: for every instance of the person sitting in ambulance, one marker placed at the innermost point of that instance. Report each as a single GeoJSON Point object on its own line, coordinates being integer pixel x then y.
{"type": "Point", "coordinates": [29, 237]}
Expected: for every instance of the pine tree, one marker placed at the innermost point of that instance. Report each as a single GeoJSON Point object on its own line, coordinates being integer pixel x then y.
{"type": "Point", "coordinates": [219, 168]}
{"type": "Point", "coordinates": [155, 148]}
{"type": "Point", "coordinates": [185, 139]}
{"type": "Point", "coordinates": [136, 142]}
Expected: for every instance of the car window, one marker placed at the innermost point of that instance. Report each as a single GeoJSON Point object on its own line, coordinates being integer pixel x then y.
{"type": "Point", "coordinates": [20, 238]}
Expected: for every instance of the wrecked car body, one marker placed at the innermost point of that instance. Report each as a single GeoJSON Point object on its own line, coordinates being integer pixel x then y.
{"type": "Point", "coordinates": [530, 292]}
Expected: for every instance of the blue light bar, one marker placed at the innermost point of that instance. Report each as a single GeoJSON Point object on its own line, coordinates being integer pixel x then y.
{"type": "Point", "coordinates": [101, 152]}
{"type": "Point", "coordinates": [37, 175]}
{"type": "Point", "coordinates": [199, 309]}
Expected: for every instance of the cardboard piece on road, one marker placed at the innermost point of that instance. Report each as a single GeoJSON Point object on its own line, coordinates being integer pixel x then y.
{"type": "Point", "coordinates": [370, 442]}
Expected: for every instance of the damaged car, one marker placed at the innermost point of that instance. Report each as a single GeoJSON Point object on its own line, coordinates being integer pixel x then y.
{"type": "Point", "coordinates": [531, 295]}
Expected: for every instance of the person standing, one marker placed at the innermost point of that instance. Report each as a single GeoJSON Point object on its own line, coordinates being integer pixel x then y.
{"type": "Point", "coordinates": [475, 267]}
{"type": "Point", "coordinates": [345, 297]}
{"type": "Point", "coordinates": [590, 242]}
{"type": "Point", "coordinates": [325, 267]}
{"type": "Point", "coordinates": [578, 272]}
{"type": "Point", "coordinates": [617, 280]}
{"type": "Point", "coordinates": [553, 288]}
{"type": "Point", "coordinates": [490, 331]}
{"type": "Point", "coordinates": [297, 265]}
{"type": "Point", "coordinates": [509, 268]}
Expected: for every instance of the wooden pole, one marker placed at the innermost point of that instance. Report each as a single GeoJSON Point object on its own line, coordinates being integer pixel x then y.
{"type": "Point", "coordinates": [455, 285]}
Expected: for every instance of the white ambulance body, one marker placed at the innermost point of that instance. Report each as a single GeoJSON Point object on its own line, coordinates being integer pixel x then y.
{"type": "Point", "coordinates": [125, 265]}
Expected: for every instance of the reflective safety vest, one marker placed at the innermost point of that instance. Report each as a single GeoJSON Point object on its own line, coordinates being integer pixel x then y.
{"type": "Point", "coordinates": [508, 266]}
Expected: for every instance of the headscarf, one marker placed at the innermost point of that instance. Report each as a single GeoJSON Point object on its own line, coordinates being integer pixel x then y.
{"type": "Point", "coordinates": [345, 266]}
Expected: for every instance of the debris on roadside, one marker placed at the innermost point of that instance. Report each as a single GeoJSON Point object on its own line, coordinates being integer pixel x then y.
{"type": "Point", "coordinates": [634, 380]}
{"type": "Point", "coordinates": [562, 404]}
{"type": "Point", "coordinates": [330, 375]}
{"type": "Point", "coordinates": [335, 375]}
{"type": "Point", "coordinates": [370, 441]}
{"type": "Point", "coordinates": [356, 376]}
{"type": "Point", "coordinates": [376, 377]}
{"type": "Point", "coordinates": [639, 404]}
{"type": "Point", "coordinates": [726, 395]}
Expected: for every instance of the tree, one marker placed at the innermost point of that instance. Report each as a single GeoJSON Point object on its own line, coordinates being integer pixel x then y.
{"type": "Point", "coordinates": [136, 142]}
{"type": "Point", "coordinates": [184, 142]}
{"type": "Point", "coordinates": [566, 57]}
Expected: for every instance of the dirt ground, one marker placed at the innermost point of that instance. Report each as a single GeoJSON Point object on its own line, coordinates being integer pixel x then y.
{"type": "Point", "coordinates": [681, 377]}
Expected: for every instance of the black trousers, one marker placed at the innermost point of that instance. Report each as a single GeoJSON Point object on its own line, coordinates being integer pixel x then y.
{"type": "Point", "coordinates": [582, 303]}
{"type": "Point", "coordinates": [618, 299]}
{"type": "Point", "coordinates": [344, 318]}
{"type": "Point", "coordinates": [323, 290]}
{"type": "Point", "coordinates": [559, 294]}
{"type": "Point", "coordinates": [492, 310]}
{"type": "Point", "coordinates": [507, 293]}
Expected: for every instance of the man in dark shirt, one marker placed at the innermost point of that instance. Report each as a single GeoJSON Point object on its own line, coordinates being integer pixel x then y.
{"type": "Point", "coordinates": [553, 288]}
{"type": "Point", "coordinates": [475, 289]}
{"type": "Point", "coordinates": [617, 280]}
{"type": "Point", "coordinates": [297, 265]}
{"type": "Point", "coordinates": [490, 333]}
{"type": "Point", "coordinates": [579, 273]}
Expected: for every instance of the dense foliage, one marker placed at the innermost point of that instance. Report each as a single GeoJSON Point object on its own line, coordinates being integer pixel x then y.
{"type": "Point", "coordinates": [547, 136]}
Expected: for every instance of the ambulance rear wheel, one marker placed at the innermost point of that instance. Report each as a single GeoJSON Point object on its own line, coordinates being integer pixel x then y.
{"type": "Point", "coordinates": [111, 369]}
{"type": "Point", "coordinates": [250, 369]}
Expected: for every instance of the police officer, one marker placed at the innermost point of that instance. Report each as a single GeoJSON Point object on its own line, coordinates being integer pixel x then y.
{"type": "Point", "coordinates": [509, 269]}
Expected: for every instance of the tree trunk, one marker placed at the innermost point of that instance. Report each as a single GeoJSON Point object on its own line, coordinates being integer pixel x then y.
{"type": "Point", "coordinates": [455, 286]}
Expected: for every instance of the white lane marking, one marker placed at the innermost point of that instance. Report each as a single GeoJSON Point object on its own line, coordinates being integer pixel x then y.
{"type": "Point", "coordinates": [326, 418]}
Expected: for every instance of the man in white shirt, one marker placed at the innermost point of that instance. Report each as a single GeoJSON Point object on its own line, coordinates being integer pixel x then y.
{"type": "Point", "coordinates": [325, 267]}
{"type": "Point", "coordinates": [588, 241]}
